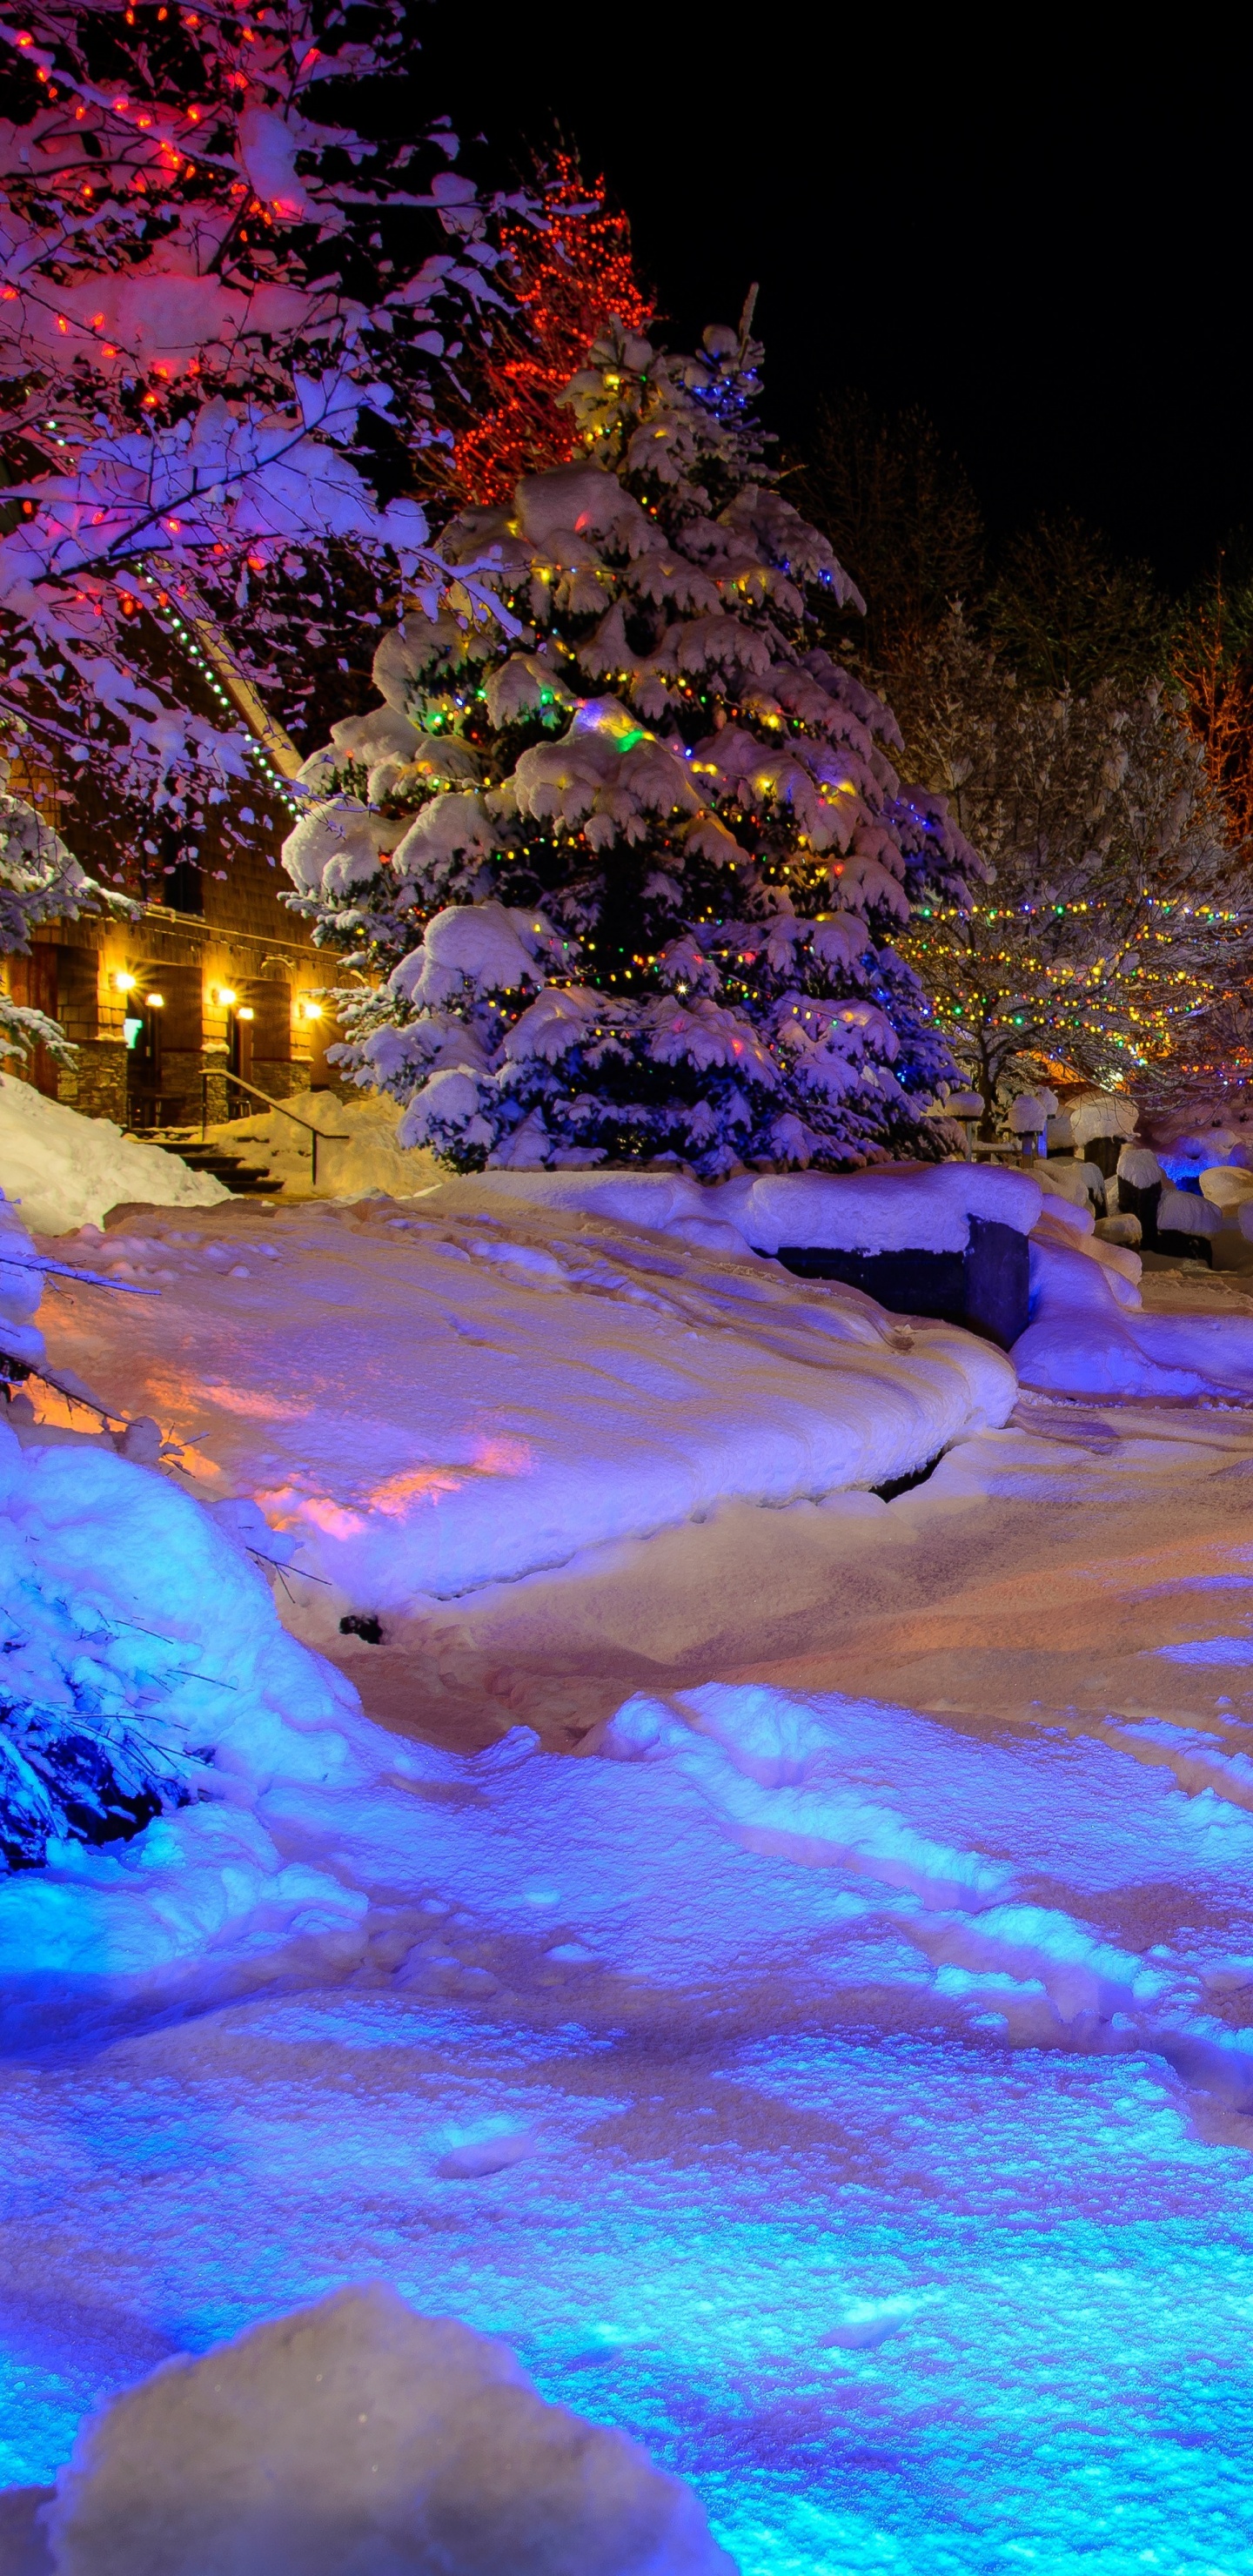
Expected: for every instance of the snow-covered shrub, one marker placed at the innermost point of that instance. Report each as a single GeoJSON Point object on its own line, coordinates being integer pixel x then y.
{"type": "Point", "coordinates": [141, 1656]}
{"type": "Point", "coordinates": [652, 769]}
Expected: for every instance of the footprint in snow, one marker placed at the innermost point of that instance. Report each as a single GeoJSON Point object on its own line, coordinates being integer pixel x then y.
{"type": "Point", "coordinates": [864, 2331]}
{"type": "Point", "coordinates": [486, 2154]}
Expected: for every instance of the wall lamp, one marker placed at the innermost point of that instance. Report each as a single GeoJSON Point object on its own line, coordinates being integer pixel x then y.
{"type": "Point", "coordinates": [155, 1001]}
{"type": "Point", "coordinates": [243, 1013]}
{"type": "Point", "coordinates": [224, 997]}
{"type": "Point", "coordinates": [125, 983]}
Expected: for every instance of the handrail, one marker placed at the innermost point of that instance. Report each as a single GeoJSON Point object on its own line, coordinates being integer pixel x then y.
{"type": "Point", "coordinates": [218, 1073]}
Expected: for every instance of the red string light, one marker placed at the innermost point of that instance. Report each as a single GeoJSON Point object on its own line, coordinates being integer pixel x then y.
{"type": "Point", "coordinates": [569, 282]}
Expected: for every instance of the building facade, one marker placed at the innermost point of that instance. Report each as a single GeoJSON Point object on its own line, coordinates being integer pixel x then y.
{"type": "Point", "coordinates": [163, 1008]}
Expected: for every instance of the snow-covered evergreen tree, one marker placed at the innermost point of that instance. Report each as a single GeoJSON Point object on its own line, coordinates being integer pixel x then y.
{"type": "Point", "coordinates": [634, 850]}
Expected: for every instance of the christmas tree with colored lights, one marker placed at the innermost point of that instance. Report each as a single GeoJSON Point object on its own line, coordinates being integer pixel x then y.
{"type": "Point", "coordinates": [630, 847]}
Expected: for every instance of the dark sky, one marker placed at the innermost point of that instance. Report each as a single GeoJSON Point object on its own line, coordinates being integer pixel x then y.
{"type": "Point", "coordinates": [1042, 237]}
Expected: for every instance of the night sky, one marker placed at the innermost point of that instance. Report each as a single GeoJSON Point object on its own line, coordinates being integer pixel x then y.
{"type": "Point", "coordinates": [1044, 241]}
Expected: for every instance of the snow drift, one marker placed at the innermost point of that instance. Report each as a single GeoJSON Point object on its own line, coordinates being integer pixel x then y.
{"type": "Point", "coordinates": [357, 1150]}
{"type": "Point", "coordinates": [67, 1171]}
{"type": "Point", "coordinates": [463, 1394]}
{"type": "Point", "coordinates": [137, 1628]}
{"type": "Point", "coordinates": [356, 2434]}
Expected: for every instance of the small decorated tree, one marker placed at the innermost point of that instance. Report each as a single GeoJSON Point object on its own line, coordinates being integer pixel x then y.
{"type": "Point", "coordinates": [634, 849]}
{"type": "Point", "coordinates": [1116, 934]}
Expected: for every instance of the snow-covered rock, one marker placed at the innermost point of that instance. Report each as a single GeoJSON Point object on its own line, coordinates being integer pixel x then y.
{"type": "Point", "coordinates": [355, 2434]}
{"type": "Point", "coordinates": [65, 1171]}
{"type": "Point", "coordinates": [1184, 1212]}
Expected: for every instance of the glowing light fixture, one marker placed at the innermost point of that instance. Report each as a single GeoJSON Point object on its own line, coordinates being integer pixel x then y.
{"type": "Point", "coordinates": [311, 1010]}
{"type": "Point", "coordinates": [155, 1001]}
{"type": "Point", "coordinates": [243, 1013]}
{"type": "Point", "coordinates": [125, 983]}
{"type": "Point", "coordinates": [225, 997]}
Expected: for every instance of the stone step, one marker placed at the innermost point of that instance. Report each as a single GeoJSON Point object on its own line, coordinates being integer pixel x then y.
{"type": "Point", "coordinates": [245, 1180]}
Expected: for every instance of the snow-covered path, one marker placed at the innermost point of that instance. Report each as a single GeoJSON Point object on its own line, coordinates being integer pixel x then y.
{"type": "Point", "coordinates": [855, 2103]}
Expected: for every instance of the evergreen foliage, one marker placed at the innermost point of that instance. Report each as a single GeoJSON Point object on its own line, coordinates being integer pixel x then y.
{"type": "Point", "coordinates": [74, 1776]}
{"type": "Point", "coordinates": [1068, 615]}
{"type": "Point", "coordinates": [635, 865]}
{"type": "Point", "coordinates": [901, 515]}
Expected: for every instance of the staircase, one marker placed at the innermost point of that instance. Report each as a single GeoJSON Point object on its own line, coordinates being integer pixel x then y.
{"type": "Point", "coordinates": [244, 1179]}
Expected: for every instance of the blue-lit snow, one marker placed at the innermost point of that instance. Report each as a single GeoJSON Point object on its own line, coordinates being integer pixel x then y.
{"type": "Point", "coordinates": [852, 2100]}
{"type": "Point", "coordinates": [795, 2090]}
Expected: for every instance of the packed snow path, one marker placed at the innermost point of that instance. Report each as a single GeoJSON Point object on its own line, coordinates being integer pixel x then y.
{"type": "Point", "coordinates": [840, 2076]}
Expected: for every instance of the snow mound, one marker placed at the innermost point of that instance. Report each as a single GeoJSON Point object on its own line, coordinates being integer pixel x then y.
{"type": "Point", "coordinates": [1226, 1185]}
{"type": "Point", "coordinates": [905, 1207]}
{"type": "Point", "coordinates": [21, 1286]}
{"type": "Point", "coordinates": [138, 1630]}
{"type": "Point", "coordinates": [477, 1390]}
{"type": "Point", "coordinates": [1089, 1334]}
{"type": "Point", "coordinates": [897, 1208]}
{"type": "Point", "coordinates": [1182, 1212]}
{"type": "Point", "coordinates": [369, 1159]}
{"type": "Point", "coordinates": [66, 1171]}
{"type": "Point", "coordinates": [358, 2435]}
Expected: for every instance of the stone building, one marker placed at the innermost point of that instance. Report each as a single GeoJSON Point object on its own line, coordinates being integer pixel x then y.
{"type": "Point", "coordinates": [220, 978]}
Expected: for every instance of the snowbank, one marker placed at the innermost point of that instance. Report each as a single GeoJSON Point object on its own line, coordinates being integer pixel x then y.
{"type": "Point", "coordinates": [371, 1159]}
{"type": "Point", "coordinates": [66, 1171]}
{"type": "Point", "coordinates": [790, 2070]}
{"type": "Point", "coordinates": [133, 1616]}
{"type": "Point", "coordinates": [356, 2434]}
{"type": "Point", "coordinates": [466, 1393]}
{"type": "Point", "coordinates": [21, 1286]}
{"type": "Point", "coordinates": [899, 1207]}
{"type": "Point", "coordinates": [1089, 1334]}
